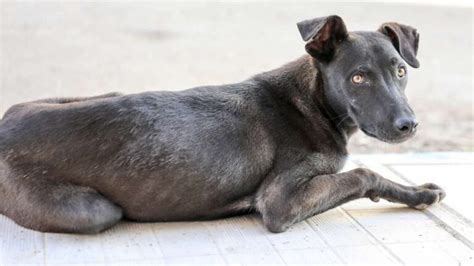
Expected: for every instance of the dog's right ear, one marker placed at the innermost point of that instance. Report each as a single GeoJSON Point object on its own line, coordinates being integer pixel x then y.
{"type": "Point", "coordinates": [323, 34]}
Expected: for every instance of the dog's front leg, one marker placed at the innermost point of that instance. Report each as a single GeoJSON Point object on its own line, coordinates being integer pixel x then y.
{"type": "Point", "coordinates": [290, 198]}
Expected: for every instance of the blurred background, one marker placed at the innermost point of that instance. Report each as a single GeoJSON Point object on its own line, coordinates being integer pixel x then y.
{"type": "Point", "coordinates": [61, 49]}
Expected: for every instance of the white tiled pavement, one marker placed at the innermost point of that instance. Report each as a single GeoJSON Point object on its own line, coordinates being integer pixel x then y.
{"type": "Point", "coordinates": [360, 232]}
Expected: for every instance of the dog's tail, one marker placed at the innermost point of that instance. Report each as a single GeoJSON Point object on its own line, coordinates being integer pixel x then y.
{"type": "Point", "coordinates": [64, 100]}
{"type": "Point", "coordinates": [60, 100]}
{"type": "Point", "coordinates": [3, 189]}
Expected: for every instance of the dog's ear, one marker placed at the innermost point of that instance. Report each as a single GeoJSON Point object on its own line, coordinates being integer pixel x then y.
{"type": "Point", "coordinates": [323, 35]}
{"type": "Point", "coordinates": [405, 39]}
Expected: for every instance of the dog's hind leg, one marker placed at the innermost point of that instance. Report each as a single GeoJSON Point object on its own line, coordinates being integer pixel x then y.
{"type": "Point", "coordinates": [45, 206]}
{"type": "Point", "coordinates": [284, 203]}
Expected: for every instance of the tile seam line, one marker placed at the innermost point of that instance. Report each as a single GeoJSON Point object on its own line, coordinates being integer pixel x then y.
{"type": "Point", "coordinates": [255, 220]}
{"type": "Point", "coordinates": [427, 164]}
{"type": "Point", "coordinates": [369, 234]}
{"type": "Point", "coordinates": [444, 205]}
{"type": "Point", "coordinates": [450, 230]}
{"type": "Point", "coordinates": [386, 248]}
{"type": "Point", "coordinates": [218, 247]}
{"type": "Point", "coordinates": [43, 239]}
{"type": "Point", "coordinates": [321, 235]}
{"type": "Point", "coordinates": [389, 251]}
{"type": "Point", "coordinates": [157, 239]}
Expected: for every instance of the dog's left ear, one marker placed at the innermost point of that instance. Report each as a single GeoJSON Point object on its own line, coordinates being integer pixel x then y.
{"type": "Point", "coordinates": [323, 34]}
{"type": "Point", "coordinates": [405, 39]}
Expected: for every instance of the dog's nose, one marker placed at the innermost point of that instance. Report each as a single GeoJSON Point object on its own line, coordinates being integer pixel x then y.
{"type": "Point", "coordinates": [406, 125]}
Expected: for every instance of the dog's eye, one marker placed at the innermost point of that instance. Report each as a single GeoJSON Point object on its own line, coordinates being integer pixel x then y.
{"type": "Point", "coordinates": [401, 72]}
{"type": "Point", "coordinates": [357, 78]}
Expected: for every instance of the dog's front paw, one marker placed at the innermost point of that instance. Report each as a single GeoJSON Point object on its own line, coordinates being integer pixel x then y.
{"type": "Point", "coordinates": [428, 194]}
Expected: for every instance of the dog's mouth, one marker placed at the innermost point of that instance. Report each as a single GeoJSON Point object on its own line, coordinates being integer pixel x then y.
{"type": "Point", "coordinates": [383, 138]}
{"type": "Point", "coordinates": [366, 132]}
{"type": "Point", "coordinates": [379, 132]}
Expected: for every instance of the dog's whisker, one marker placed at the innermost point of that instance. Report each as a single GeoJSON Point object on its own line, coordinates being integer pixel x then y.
{"type": "Point", "coordinates": [342, 120]}
{"type": "Point", "coordinates": [339, 116]}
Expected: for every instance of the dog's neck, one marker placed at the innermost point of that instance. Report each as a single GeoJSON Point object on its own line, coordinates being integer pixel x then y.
{"type": "Point", "coordinates": [339, 118]}
{"type": "Point", "coordinates": [300, 83]}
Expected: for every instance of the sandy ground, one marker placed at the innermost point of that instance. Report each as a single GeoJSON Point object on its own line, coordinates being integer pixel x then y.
{"type": "Point", "coordinates": [79, 49]}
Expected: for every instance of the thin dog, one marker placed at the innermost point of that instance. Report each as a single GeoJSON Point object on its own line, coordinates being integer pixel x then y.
{"type": "Point", "coordinates": [272, 144]}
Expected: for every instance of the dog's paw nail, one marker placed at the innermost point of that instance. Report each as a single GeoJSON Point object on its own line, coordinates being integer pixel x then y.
{"type": "Point", "coordinates": [430, 186]}
{"type": "Point", "coordinates": [421, 206]}
{"type": "Point", "coordinates": [375, 198]}
{"type": "Point", "coordinates": [441, 195]}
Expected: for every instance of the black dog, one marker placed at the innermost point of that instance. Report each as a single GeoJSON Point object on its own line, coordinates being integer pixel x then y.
{"type": "Point", "coordinates": [271, 144]}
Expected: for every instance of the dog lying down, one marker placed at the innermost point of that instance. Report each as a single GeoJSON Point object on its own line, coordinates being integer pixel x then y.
{"type": "Point", "coordinates": [272, 144]}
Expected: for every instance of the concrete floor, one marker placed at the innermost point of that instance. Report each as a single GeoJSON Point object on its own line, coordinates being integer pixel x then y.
{"type": "Point", "coordinates": [78, 49]}
{"type": "Point", "coordinates": [360, 232]}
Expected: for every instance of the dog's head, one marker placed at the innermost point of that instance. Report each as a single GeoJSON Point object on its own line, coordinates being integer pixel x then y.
{"type": "Point", "coordinates": [365, 73]}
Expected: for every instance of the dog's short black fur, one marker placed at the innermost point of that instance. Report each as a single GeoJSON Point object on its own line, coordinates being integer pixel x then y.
{"type": "Point", "coordinates": [271, 144]}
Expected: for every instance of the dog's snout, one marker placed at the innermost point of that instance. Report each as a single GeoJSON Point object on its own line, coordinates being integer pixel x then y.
{"type": "Point", "coordinates": [406, 125]}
